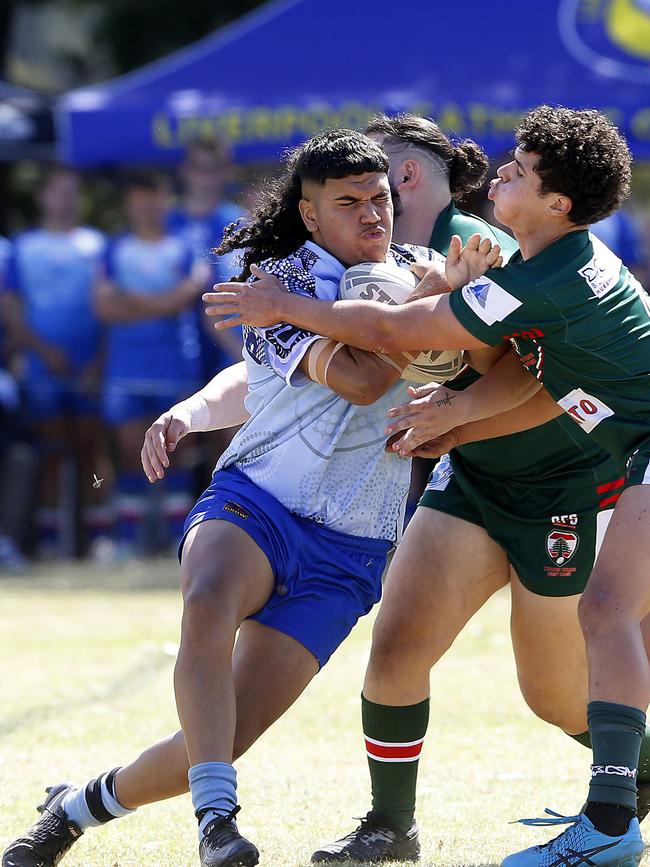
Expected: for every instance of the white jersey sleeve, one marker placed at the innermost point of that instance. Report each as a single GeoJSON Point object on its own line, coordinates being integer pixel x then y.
{"type": "Point", "coordinates": [310, 271]}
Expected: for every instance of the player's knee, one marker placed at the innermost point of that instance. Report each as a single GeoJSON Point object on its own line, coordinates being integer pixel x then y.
{"type": "Point", "coordinates": [206, 608]}
{"type": "Point", "coordinates": [601, 610]}
{"type": "Point", "coordinates": [394, 650]}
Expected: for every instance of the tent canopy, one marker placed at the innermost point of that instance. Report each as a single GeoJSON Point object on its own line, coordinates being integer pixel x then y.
{"type": "Point", "coordinates": [26, 124]}
{"type": "Point", "coordinates": [295, 67]}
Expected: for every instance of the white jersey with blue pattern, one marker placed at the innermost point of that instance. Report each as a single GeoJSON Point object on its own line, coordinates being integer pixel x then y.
{"type": "Point", "coordinates": [319, 455]}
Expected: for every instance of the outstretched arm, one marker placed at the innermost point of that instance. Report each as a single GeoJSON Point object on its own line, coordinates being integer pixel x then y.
{"type": "Point", "coordinates": [426, 323]}
{"type": "Point", "coordinates": [217, 405]}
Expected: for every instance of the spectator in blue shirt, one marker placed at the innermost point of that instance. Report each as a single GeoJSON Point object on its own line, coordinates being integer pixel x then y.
{"type": "Point", "coordinates": [147, 299]}
{"type": "Point", "coordinates": [50, 316]}
{"type": "Point", "coordinates": [18, 461]}
{"type": "Point", "coordinates": [199, 217]}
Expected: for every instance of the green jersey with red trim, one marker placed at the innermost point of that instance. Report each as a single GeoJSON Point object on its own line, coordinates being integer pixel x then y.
{"type": "Point", "coordinates": [580, 323]}
{"type": "Point", "coordinates": [554, 453]}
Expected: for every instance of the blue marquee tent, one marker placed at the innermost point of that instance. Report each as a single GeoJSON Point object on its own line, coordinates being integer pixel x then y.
{"type": "Point", "coordinates": [295, 67]}
{"type": "Point", "coordinates": [26, 123]}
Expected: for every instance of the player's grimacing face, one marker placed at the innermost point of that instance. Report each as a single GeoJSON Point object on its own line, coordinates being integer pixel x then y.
{"type": "Point", "coordinates": [351, 217]}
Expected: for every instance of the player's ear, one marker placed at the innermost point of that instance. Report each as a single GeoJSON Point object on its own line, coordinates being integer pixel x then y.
{"type": "Point", "coordinates": [408, 175]}
{"type": "Point", "coordinates": [560, 206]}
{"type": "Point", "coordinates": [308, 214]}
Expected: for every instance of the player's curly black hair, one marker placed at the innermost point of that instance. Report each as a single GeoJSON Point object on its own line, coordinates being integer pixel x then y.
{"type": "Point", "coordinates": [465, 161]}
{"type": "Point", "coordinates": [582, 155]}
{"type": "Point", "coordinates": [275, 227]}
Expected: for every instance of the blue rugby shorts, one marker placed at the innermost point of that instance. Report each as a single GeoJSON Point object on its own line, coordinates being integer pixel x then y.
{"type": "Point", "coordinates": [324, 580]}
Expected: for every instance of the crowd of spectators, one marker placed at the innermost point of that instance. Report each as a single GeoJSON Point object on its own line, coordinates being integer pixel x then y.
{"type": "Point", "coordinates": [100, 334]}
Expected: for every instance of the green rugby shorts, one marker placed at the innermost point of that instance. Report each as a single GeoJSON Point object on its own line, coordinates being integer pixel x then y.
{"type": "Point", "coordinates": [551, 534]}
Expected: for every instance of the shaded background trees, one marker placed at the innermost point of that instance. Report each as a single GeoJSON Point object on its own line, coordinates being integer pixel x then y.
{"type": "Point", "coordinates": [119, 34]}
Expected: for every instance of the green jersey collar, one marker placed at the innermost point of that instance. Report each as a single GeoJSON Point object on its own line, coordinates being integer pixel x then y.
{"type": "Point", "coordinates": [440, 235]}
{"type": "Point", "coordinates": [565, 248]}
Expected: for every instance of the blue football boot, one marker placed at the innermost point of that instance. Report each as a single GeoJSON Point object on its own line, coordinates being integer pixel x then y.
{"type": "Point", "coordinates": [580, 845]}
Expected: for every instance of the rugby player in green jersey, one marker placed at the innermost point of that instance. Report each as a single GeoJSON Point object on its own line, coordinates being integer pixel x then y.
{"type": "Point", "coordinates": [530, 507]}
{"type": "Point", "coordinates": [581, 324]}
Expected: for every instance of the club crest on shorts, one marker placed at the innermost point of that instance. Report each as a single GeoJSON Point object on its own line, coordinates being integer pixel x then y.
{"type": "Point", "coordinates": [561, 545]}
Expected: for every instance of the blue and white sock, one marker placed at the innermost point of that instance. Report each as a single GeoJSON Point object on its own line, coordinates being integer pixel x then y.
{"type": "Point", "coordinates": [95, 803]}
{"type": "Point", "coordinates": [214, 791]}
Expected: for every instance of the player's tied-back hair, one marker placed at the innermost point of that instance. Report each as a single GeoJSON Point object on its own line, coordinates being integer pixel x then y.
{"type": "Point", "coordinates": [464, 163]}
{"type": "Point", "coordinates": [275, 227]}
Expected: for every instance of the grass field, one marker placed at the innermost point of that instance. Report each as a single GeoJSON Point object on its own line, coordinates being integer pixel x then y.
{"type": "Point", "coordinates": [86, 659]}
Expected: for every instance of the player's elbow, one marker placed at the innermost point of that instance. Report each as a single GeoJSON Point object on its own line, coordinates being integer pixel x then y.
{"type": "Point", "coordinates": [369, 386]}
{"type": "Point", "coordinates": [386, 337]}
{"type": "Point", "coordinates": [377, 335]}
{"type": "Point", "coordinates": [362, 398]}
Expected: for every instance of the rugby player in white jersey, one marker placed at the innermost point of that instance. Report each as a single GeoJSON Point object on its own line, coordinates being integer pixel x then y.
{"type": "Point", "coordinates": [289, 542]}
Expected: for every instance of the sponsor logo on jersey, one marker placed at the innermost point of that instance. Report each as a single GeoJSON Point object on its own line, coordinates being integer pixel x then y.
{"type": "Point", "coordinates": [602, 271]}
{"type": "Point", "coordinates": [489, 301]}
{"type": "Point", "coordinates": [236, 509]}
{"type": "Point", "coordinates": [561, 545]}
{"type": "Point", "coordinates": [584, 408]}
{"type": "Point", "coordinates": [614, 770]}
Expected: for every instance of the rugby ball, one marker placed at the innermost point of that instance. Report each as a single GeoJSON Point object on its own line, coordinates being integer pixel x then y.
{"type": "Point", "coordinates": [390, 284]}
